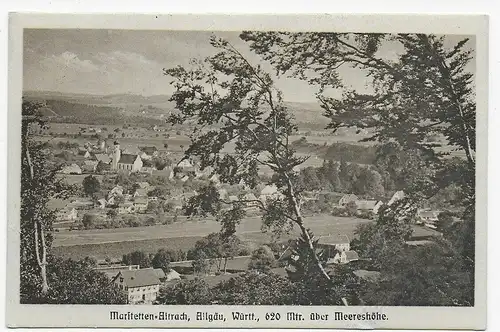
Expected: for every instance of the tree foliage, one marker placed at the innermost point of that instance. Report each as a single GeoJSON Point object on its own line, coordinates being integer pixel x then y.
{"type": "Point", "coordinates": [262, 259]}
{"type": "Point", "coordinates": [226, 92]}
{"type": "Point", "coordinates": [39, 184]}
{"type": "Point", "coordinates": [419, 103]}
{"type": "Point", "coordinates": [76, 282]}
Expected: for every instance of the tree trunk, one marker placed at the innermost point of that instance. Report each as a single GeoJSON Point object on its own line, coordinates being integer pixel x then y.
{"type": "Point", "coordinates": [300, 223]}
{"type": "Point", "coordinates": [39, 235]}
{"type": "Point", "coordinates": [225, 264]}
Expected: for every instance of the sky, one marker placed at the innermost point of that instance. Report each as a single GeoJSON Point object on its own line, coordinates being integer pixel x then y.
{"type": "Point", "coordinates": [131, 61]}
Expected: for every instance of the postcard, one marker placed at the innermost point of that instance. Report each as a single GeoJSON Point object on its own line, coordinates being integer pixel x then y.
{"type": "Point", "coordinates": [247, 171]}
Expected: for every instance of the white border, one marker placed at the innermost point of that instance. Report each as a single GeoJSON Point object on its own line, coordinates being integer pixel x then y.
{"type": "Point", "coordinates": [447, 24]}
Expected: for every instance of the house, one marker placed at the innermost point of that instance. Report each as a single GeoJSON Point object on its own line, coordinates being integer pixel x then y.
{"type": "Point", "coordinates": [368, 206]}
{"type": "Point", "coordinates": [67, 214]}
{"type": "Point", "coordinates": [89, 165]}
{"type": "Point", "coordinates": [116, 191]}
{"type": "Point", "coordinates": [269, 191]}
{"type": "Point", "coordinates": [103, 158]}
{"type": "Point", "coordinates": [161, 274]}
{"type": "Point", "coordinates": [250, 197]}
{"type": "Point", "coordinates": [185, 163]}
{"type": "Point", "coordinates": [347, 198]}
{"type": "Point", "coordinates": [428, 218]}
{"type": "Point", "coordinates": [169, 276]}
{"type": "Point", "coordinates": [101, 203]}
{"type": "Point", "coordinates": [333, 243]}
{"type": "Point", "coordinates": [345, 257]}
{"type": "Point", "coordinates": [112, 271]}
{"type": "Point", "coordinates": [125, 208]}
{"type": "Point", "coordinates": [185, 178]}
{"type": "Point", "coordinates": [141, 285]}
{"type": "Point", "coordinates": [172, 275]}
{"type": "Point", "coordinates": [398, 195]}
{"type": "Point", "coordinates": [140, 204]}
{"type": "Point", "coordinates": [71, 169]}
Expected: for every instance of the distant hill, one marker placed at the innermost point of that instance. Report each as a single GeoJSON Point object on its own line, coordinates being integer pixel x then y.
{"type": "Point", "coordinates": [103, 109]}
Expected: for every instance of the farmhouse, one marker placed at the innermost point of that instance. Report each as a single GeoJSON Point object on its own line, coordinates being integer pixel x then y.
{"type": "Point", "coordinates": [112, 271]}
{"type": "Point", "coordinates": [269, 191]}
{"type": "Point", "coordinates": [347, 198]}
{"type": "Point", "coordinates": [172, 275]}
{"type": "Point", "coordinates": [345, 257]}
{"type": "Point", "coordinates": [428, 218]}
{"type": "Point", "coordinates": [140, 204]}
{"type": "Point", "coordinates": [103, 158]}
{"type": "Point", "coordinates": [116, 191]}
{"type": "Point", "coordinates": [185, 164]}
{"type": "Point", "coordinates": [67, 215]}
{"type": "Point", "coordinates": [333, 243]}
{"type": "Point", "coordinates": [89, 166]}
{"type": "Point", "coordinates": [71, 169]}
{"type": "Point", "coordinates": [127, 207]}
{"type": "Point", "coordinates": [252, 200]}
{"type": "Point", "coordinates": [101, 203]}
{"type": "Point", "coordinates": [141, 285]}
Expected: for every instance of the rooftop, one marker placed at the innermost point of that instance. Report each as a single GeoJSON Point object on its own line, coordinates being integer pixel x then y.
{"type": "Point", "coordinates": [127, 158]}
{"type": "Point", "coordinates": [351, 255]}
{"type": "Point", "coordinates": [138, 278]}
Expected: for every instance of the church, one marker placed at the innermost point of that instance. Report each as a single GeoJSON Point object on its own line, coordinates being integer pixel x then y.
{"type": "Point", "coordinates": [124, 161]}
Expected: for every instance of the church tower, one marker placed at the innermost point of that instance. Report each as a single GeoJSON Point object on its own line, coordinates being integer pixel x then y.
{"type": "Point", "coordinates": [116, 156]}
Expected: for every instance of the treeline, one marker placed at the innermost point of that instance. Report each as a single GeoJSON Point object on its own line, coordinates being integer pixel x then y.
{"type": "Point", "coordinates": [353, 153]}
{"type": "Point", "coordinates": [393, 168]}
{"type": "Point", "coordinates": [70, 112]}
{"type": "Point", "coordinates": [344, 177]}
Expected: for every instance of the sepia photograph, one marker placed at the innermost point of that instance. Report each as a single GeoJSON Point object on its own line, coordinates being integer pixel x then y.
{"type": "Point", "coordinates": [173, 167]}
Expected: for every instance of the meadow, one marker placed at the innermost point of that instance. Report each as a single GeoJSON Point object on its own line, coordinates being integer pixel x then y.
{"type": "Point", "coordinates": [113, 243]}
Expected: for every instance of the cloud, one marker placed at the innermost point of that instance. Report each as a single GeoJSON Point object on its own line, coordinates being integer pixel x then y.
{"type": "Point", "coordinates": [121, 60]}
{"type": "Point", "coordinates": [68, 60]}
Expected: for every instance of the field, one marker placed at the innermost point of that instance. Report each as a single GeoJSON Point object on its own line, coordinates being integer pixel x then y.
{"type": "Point", "coordinates": [115, 250]}
{"type": "Point", "coordinates": [114, 243]}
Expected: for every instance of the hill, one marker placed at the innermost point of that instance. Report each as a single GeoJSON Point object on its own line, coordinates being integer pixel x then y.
{"type": "Point", "coordinates": [122, 108]}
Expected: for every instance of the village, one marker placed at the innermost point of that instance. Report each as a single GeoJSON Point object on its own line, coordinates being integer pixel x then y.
{"type": "Point", "coordinates": [123, 187]}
